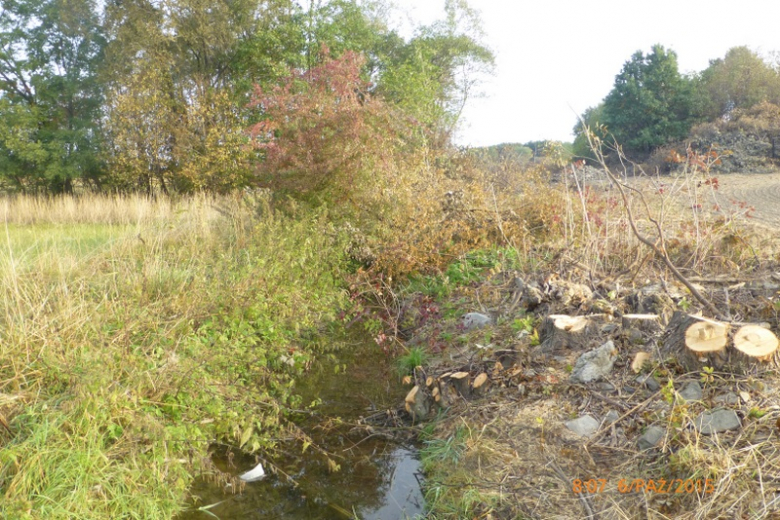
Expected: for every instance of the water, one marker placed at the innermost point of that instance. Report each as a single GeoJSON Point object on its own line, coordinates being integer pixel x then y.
{"type": "Point", "coordinates": [379, 477]}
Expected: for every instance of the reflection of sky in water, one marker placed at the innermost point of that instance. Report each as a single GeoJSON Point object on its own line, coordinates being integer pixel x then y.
{"type": "Point", "coordinates": [403, 499]}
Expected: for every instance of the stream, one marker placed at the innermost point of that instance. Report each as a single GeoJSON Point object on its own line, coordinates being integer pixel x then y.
{"type": "Point", "coordinates": [379, 479]}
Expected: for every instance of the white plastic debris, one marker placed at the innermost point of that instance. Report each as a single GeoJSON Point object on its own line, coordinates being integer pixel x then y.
{"type": "Point", "coordinates": [254, 474]}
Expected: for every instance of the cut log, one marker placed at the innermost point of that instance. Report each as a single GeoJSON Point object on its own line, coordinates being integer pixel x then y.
{"type": "Point", "coordinates": [755, 348]}
{"type": "Point", "coordinates": [558, 331]}
{"type": "Point", "coordinates": [417, 403]}
{"type": "Point", "coordinates": [647, 323]}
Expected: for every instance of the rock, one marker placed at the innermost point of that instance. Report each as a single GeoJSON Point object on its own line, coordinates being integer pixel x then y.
{"type": "Point", "coordinates": [691, 392]}
{"type": "Point", "coordinates": [651, 437]}
{"type": "Point", "coordinates": [609, 328]}
{"type": "Point", "coordinates": [716, 421]}
{"type": "Point", "coordinates": [475, 320]}
{"type": "Point", "coordinates": [649, 382]}
{"type": "Point", "coordinates": [634, 336]}
{"type": "Point", "coordinates": [606, 387]}
{"type": "Point", "coordinates": [611, 417]}
{"type": "Point", "coordinates": [584, 426]}
{"type": "Point", "coordinates": [595, 365]}
{"type": "Point", "coordinates": [727, 399]}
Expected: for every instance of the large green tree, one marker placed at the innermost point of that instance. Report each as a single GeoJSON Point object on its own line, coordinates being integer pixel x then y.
{"type": "Point", "coordinates": [50, 96]}
{"type": "Point", "coordinates": [651, 102]}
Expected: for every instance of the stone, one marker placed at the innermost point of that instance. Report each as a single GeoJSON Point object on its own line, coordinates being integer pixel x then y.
{"type": "Point", "coordinates": [475, 320]}
{"type": "Point", "coordinates": [716, 421]}
{"type": "Point", "coordinates": [691, 392]}
{"type": "Point", "coordinates": [584, 426]}
{"type": "Point", "coordinates": [727, 399]}
{"type": "Point", "coordinates": [595, 364]}
{"type": "Point", "coordinates": [611, 417]}
{"type": "Point", "coordinates": [649, 382]}
{"type": "Point", "coordinates": [609, 328]}
{"type": "Point", "coordinates": [651, 437]}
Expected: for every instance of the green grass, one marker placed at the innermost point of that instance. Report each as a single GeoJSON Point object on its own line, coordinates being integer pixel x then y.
{"type": "Point", "coordinates": [124, 359]}
{"type": "Point", "coordinates": [414, 357]}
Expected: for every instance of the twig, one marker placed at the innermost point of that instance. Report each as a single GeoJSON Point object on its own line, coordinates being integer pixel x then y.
{"type": "Point", "coordinates": [659, 246]}
{"type": "Point", "coordinates": [585, 503]}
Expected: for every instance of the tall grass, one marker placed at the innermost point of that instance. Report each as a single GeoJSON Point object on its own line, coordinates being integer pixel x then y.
{"type": "Point", "coordinates": [180, 325]}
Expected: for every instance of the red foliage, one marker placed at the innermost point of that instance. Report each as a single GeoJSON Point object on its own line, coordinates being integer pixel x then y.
{"type": "Point", "coordinates": [320, 128]}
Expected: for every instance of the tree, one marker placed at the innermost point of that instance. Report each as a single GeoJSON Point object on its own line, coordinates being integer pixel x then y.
{"type": "Point", "coordinates": [433, 75]}
{"type": "Point", "coordinates": [49, 56]}
{"type": "Point", "coordinates": [323, 136]}
{"type": "Point", "coordinates": [651, 103]}
{"type": "Point", "coordinates": [591, 119]}
{"type": "Point", "coordinates": [738, 81]}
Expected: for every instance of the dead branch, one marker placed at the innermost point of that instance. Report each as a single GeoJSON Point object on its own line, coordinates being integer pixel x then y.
{"type": "Point", "coordinates": [659, 245]}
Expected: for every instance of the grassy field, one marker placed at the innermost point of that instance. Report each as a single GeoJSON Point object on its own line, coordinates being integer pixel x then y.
{"type": "Point", "coordinates": [134, 334]}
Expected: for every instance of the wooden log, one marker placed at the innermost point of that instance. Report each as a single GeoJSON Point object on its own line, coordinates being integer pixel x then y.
{"type": "Point", "coordinates": [647, 323]}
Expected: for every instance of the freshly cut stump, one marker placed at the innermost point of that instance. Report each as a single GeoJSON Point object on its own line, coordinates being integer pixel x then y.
{"type": "Point", "coordinates": [697, 342]}
{"type": "Point", "coordinates": [479, 385]}
{"type": "Point", "coordinates": [559, 330]}
{"type": "Point", "coordinates": [755, 348]}
{"type": "Point", "coordinates": [460, 381]}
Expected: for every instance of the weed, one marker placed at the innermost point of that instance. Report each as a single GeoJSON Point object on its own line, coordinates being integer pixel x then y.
{"type": "Point", "coordinates": [414, 357]}
{"type": "Point", "coordinates": [525, 324]}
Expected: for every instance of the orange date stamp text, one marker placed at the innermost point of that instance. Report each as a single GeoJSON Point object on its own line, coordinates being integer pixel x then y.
{"type": "Point", "coordinates": [638, 485]}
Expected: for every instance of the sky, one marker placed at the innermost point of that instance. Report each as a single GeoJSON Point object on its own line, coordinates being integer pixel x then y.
{"type": "Point", "coordinates": [556, 58]}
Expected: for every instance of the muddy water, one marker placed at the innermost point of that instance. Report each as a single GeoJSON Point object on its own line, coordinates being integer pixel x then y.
{"type": "Point", "coordinates": [379, 479]}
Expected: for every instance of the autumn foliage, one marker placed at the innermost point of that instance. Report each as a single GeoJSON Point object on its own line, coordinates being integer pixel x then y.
{"type": "Point", "coordinates": [323, 135]}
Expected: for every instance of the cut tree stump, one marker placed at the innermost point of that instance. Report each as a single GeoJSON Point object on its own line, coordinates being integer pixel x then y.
{"type": "Point", "coordinates": [755, 348]}
{"type": "Point", "coordinates": [480, 384]}
{"type": "Point", "coordinates": [648, 323]}
{"type": "Point", "coordinates": [559, 330]}
{"type": "Point", "coordinates": [697, 342]}
{"type": "Point", "coordinates": [460, 381]}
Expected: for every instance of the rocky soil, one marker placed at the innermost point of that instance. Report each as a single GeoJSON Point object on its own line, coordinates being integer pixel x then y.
{"type": "Point", "coordinates": [606, 425]}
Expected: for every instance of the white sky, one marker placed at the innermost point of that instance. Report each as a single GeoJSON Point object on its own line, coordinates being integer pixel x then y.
{"type": "Point", "coordinates": [555, 58]}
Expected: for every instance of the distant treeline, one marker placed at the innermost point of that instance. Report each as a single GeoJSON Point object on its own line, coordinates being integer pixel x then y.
{"type": "Point", "coordinates": [652, 104]}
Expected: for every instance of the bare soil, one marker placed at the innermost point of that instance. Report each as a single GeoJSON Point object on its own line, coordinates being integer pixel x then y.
{"type": "Point", "coordinates": [761, 191]}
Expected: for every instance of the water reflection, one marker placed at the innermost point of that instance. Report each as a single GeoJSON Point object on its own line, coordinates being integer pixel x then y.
{"type": "Point", "coordinates": [378, 479]}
